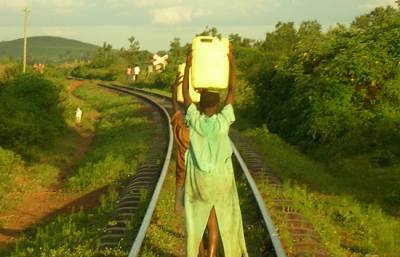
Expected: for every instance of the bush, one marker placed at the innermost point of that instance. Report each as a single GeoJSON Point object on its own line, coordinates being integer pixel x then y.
{"type": "Point", "coordinates": [339, 88]}
{"type": "Point", "coordinates": [12, 172]}
{"type": "Point", "coordinates": [31, 113]}
{"type": "Point", "coordinates": [86, 72]}
{"type": "Point", "coordinates": [9, 71]}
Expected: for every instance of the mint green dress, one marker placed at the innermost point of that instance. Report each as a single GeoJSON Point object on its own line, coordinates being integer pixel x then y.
{"type": "Point", "coordinates": [210, 182]}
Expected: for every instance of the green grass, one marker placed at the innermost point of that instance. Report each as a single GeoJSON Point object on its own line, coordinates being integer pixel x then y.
{"type": "Point", "coordinates": [2, 67]}
{"type": "Point", "coordinates": [121, 141]}
{"type": "Point", "coordinates": [69, 235]}
{"type": "Point", "coordinates": [20, 177]}
{"type": "Point", "coordinates": [350, 202]}
{"type": "Point", "coordinates": [165, 234]}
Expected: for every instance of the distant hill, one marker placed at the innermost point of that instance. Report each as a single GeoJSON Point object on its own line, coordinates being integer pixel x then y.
{"type": "Point", "coordinates": [47, 49]}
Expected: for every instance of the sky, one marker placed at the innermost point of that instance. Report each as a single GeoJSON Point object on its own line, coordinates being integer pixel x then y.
{"type": "Point", "coordinates": [156, 22]}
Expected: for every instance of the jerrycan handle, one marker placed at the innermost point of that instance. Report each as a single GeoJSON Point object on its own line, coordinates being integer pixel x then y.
{"type": "Point", "coordinates": [205, 39]}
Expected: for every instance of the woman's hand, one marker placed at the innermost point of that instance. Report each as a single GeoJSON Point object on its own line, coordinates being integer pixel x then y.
{"type": "Point", "coordinates": [232, 77]}
{"type": "Point", "coordinates": [175, 92]}
{"type": "Point", "coordinates": [185, 85]}
{"type": "Point", "coordinates": [189, 59]}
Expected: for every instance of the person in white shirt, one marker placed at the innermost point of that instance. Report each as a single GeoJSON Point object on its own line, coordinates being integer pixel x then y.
{"type": "Point", "coordinates": [78, 116]}
{"type": "Point", "coordinates": [136, 72]}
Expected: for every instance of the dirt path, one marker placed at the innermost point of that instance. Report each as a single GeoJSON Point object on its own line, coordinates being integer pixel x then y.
{"type": "Point", "coordinates": [52, 201]}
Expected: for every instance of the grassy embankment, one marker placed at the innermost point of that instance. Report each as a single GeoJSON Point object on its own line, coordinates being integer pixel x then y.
{"type": "Point", "coordinates": [120, 142]}
{"type": "Point", "coordinates": [350, 202]}
{"type": "Point", "coordinates": [37, 168]}
{"type": "Point", "coordinates": [353, 203]}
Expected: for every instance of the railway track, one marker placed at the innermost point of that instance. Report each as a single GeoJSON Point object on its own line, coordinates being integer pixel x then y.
{"type": "Point", "coordinates": [148, 179]}
{"type": "Point", "coordinates": [305, 242]}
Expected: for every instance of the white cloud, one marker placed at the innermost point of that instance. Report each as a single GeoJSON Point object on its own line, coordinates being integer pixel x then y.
{"type": "Point", "coordinates": [176, 15]}
{"type": "Point", "coordinates": [375, 3]}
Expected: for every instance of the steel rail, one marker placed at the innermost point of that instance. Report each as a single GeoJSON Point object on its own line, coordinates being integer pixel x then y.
{"type": "Point", "coordinates": [279, 250]}
{"type": "Point", "coordinates": [276, 241]}
{"type": "Point", "coordinates": [135, 249]}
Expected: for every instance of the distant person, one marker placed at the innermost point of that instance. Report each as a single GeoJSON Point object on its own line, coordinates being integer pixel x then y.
{"type": "Point", "coordinates": [129, 73]}
{"type": "Point", "coordinates": [136, 72]}
{"type": "Point", "coordinates": [210, 195]}
{"type": "Point", "coordinates": [149, 70]}
{"type": "Point", "coordinates": [35, 67]}
{"type": "Point", "coordinates": [78, 116]}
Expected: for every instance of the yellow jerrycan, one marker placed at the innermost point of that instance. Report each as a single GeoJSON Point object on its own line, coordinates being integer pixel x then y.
{"type": "Point", "coordinates": [210, 64]}
{"type": "Point", "coordinates": [193, 94]}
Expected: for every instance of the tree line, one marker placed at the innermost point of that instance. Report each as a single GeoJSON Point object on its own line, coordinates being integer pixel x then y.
{"type": "Point", "coordinates": [337, 89]}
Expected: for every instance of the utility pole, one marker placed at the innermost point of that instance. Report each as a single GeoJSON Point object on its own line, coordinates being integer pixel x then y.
{"type": "Point", "coordinates": [26, 11]}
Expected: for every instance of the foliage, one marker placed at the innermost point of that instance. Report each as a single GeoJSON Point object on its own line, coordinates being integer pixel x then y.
{"type": "Point", "coordinates": [8, 71]}
{"type": "Point", "coordinates": [133, 55]}
{"type": "Point", "coordinates": [339, 88]}
{"type": "Point", "coordinates": [11, 167]}
{"type": "Point", "coordinates": [85, 72]}
{"type": "Point", "coordinates": [119, 133]}
{"type": "Point", "coordinates": [99, 67]}
{"type": "Point", "coordinates": [114, 145]}
{"type": "Point", "coordinates": [345, 201]}
{"type": "Point", "coordinates": [31, 113]}
{"type": "Point", "coordinates": [176, 56]}
{"type": "Point", "coordinates": [211, 32]}
{"type": "Point", "coordinates": [110, 65]}
{"type": "Point", "coordinates": [17, 178]}
{"type": "Point", "coordinates": [104, 57]}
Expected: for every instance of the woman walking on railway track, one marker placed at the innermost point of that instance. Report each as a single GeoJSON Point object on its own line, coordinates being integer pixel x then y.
{"type": "Point", "coordinates": [210, 197]}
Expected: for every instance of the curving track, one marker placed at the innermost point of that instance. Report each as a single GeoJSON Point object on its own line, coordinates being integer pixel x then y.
{"type": "Point", "coordinates": [149, 177]}
{"type": "Point", "coordinates": [306, 241]}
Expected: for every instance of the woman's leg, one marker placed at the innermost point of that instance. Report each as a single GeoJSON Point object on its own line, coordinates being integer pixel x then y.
{"type": "Point", "coordinates": [212, 226]}
{"type": "Point", "coordinates": [201, 249]}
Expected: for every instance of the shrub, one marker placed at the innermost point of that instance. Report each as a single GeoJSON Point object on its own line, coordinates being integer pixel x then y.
{"type": "Point", "coordinates": [86, 72]}
{"type": "Point", "coordinates": [338, 89]}
{"type": "Point", "coordinates": [31, 113]}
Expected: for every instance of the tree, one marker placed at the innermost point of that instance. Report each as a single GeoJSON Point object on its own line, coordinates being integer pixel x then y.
{"type": "Point", "coordinates": [134, 45]}
{"type": "Point", "coordinates": [338, 89]}
{"type": "Point", "coordinates": [104, 56]}
{"type": "Point", "coordinates": [281, 42]}
{"type": "Point", "coordinates": [177, 53]}
{"type": "Point", "coordinates": [237, 41]}
{"type": "Point", "coordinates": [213, 32]}
{"type": "Point", "coordinates": [131, 55]}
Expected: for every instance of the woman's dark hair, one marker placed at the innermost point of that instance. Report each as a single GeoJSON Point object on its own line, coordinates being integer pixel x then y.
{"type": "Point", "coordinates": [209, 99]}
